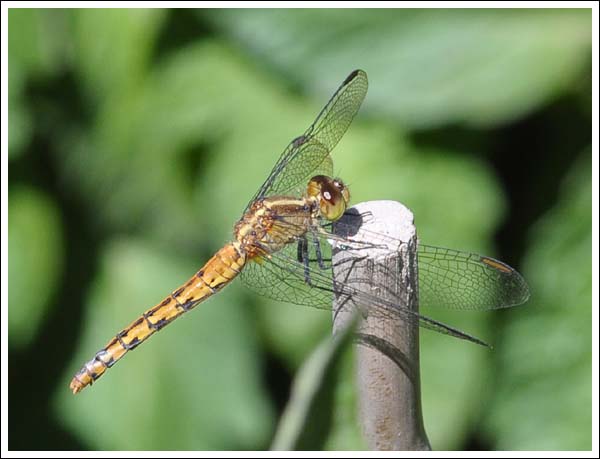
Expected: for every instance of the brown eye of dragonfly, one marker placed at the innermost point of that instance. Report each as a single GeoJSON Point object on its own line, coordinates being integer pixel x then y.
{"type": "Point", "coordinates": [343, 189]}
{"type": "Point", "coordinates": [332, 195]}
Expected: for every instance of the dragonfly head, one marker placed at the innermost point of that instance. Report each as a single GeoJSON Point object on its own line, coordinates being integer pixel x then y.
{"type": "Point", "coordinates": [333, 196]}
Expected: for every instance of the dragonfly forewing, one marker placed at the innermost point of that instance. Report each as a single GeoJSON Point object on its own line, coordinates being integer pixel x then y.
{"type": "Point", "coordinates": [308, 154]}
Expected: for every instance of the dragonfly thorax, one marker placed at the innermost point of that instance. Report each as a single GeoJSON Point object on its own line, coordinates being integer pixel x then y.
{"type": "Point", "coordinates": [331, 194]}
{"type": "Point", "coordinates": [271, 223]}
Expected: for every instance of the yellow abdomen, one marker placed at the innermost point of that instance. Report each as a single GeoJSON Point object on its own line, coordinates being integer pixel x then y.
{"type": "Point", "coordinates": [214, 275]}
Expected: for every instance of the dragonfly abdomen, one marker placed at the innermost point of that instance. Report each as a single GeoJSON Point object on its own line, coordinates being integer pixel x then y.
{"type": "Point", "coordinates": [213, 276]}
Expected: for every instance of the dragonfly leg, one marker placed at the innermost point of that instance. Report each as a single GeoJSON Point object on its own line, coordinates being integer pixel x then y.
{"type": "Point", "coordinates": [303, 258]}
{"type": "Point", "coordinates": [318, 252]}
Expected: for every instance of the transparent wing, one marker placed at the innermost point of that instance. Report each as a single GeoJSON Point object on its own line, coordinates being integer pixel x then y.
{"type": "Point", "coordinates": [457, 280]}
{"type": "Point", "coordinates": [447, 278]}
{"type": "Point", "coordinates": [309, 159]}
{"type": "Point", "coordinates": [308, 154]}
{"type": "Point", "coordinates": [462, 280]}
{"type": "Point", "coordinates": [282, 276]}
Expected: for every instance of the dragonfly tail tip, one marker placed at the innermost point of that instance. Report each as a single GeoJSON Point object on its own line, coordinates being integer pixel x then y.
{"type": "Point", "coordinates": [76, 386]}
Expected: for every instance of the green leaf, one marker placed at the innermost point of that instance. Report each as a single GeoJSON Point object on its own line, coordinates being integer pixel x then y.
{"type": "Point", "coordinates": [152, 149]}
{"type": "Point", "coordinates": [454, 379]}
{"type": "Point", "coordinates": [346, 432]}
{"type": "Point", "coordinates": [305, 421]}
{"type": "Point", "coordinates": [35, 264]}
{"type": "Point", "coordinates": [36, 51]}
{"type": "Point", "coordinates": [20, 123]}
{"type": "Point", "coordinates": [113, 48]}
{"type": "Point", "coordinates": [545, 375]}
{"type": "Point", "coordinates": [36, 40]}
{"type": "Point", "coordinates": [196, 385]}
{"type": "Point", "coordinates": [426, 67]}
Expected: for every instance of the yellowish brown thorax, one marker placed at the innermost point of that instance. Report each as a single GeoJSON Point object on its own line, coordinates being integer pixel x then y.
{"type": "Point", "coordinates": [273, 222]}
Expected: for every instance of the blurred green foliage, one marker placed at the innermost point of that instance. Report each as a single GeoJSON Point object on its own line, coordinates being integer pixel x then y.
{"type": "Point", "coordinates": [558, 361]}
{"type": "Point", "coordinates": [36, 248]}
{"type": "Point", "coordinates": [136, 137]}
{"type": "Point", "coordinates": [305, 423]}
{"type": "Point", "coordinates": [480, 67]}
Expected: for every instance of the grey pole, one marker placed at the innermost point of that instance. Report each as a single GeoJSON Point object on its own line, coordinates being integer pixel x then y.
{"type": "Point", "coordinates": [383, 265]}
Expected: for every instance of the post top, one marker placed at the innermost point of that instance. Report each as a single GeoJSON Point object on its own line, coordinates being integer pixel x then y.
{"type": "Point", "coordinates": [385, 224]}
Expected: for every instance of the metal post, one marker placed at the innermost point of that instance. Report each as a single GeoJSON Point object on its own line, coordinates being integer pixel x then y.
{"type": "Point", "coordinates": [383, 264]}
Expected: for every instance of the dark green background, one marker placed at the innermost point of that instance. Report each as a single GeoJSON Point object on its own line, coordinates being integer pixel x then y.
{"type": "Point", "coordinates": [136, 138]}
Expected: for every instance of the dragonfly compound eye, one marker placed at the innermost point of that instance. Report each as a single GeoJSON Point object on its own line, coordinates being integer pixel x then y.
{"type": "Point", "coordinates": [331, 194]}
{"type": "Point", "coordinates": [343, 189]}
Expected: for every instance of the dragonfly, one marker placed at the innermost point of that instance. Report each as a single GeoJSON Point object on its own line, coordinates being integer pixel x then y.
{"type": "Point", "coordinates": [281, 248]}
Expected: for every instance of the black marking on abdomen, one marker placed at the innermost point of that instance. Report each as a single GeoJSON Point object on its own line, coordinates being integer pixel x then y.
{"type": "Point", "coordinates": [90, 373]}
{"type": "Point", "coordinates": [107, 363]}
{"type": "Point", "coordinates": [189, 305]}
{"type": "Point", "coordinates": [177, 303]}
{"type": "Point", "coordinates": [155, 326]}
{"type": "Point", "coordinates": [120, 339]}
{"type": "Point", "coordinates": [128, 347]}
{"type": "Point", "coordinates": [161, 323]}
